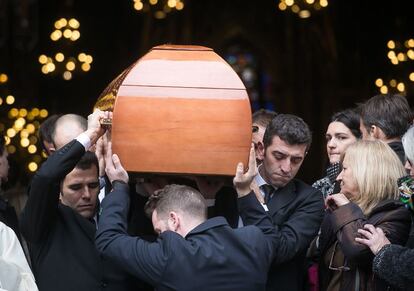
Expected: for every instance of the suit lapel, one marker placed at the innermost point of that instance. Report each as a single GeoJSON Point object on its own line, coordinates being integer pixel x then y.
{"type": "Point", "coordinates": [86, 226]}
{"type": "Point", "coordinates": [282, 197]}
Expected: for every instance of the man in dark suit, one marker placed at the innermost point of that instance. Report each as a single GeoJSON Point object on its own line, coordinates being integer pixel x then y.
{"type": "Point", "coordinates": [191, 253]}
{"type": "Point", "coordinates": [59, 219]}
{"type": "Point", "coordinates": [296, 208]}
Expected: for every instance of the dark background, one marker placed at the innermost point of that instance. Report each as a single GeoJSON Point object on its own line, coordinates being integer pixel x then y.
{"type": "Point", "coordinates": [310, 67]}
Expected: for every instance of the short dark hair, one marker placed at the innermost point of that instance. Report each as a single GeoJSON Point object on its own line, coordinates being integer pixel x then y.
{"type": "Point", "coordinates": [263, 116]}
{"type": "Point", "coordinates": [350, 118]}
{"type": "Point", "coordinates": [289, 128]}
{"type": "Point", "coordinates": [88, 160]}
{"type": "Point", "coordinates": [390, 112]}
{"type": "Point", "coordinates": [176, 197]}
{"type": "Point", "coordinates": [46, 129]}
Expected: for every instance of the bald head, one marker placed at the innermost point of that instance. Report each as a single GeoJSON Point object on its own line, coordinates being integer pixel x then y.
{"type": "Point", "coordinates": [68, 127]}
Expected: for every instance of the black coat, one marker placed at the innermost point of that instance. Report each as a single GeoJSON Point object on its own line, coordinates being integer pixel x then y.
{"type": "Point", "coordinates": [212, 256]}
{"type": "Point", "coordinates": [297, 212]}
{"type": "Point", "coordinates": [61, 241]}
{"type": "Point", "coordinates": [395, 264]}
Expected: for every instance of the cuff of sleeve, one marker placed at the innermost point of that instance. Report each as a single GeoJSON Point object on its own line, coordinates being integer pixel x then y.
{"type": "Point", "coordinates": [345, 214]}
{"type": "Point", "coordinates": [245, 201]}
{"type": "Point", "coordinates": [84, 139]}
{"type": "Point", "coordinates": [378, 262]}
{"type": "Point", "coordinates": [120, 185]}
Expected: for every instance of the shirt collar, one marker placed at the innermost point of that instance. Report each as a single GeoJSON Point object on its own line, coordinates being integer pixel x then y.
{"type": "Point", "coordinates": [260, 181]}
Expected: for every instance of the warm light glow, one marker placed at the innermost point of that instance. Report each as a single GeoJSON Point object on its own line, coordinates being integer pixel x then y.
{"type": "Point", "coordinates": [33, 139]}
{"type": "Point", "coordinates": [3, 78]}
{"type": "Point", "coordinates": [412, 76]}
{"type": "Point", "coordinates": [23, 112]}
{"type": "Point", "coordinates": [10, 99]}
{"type": "Point", "coordinates": [35, 111]}
{"type": "Point", "coordinates": [32, 166]}
{"type": "Point", "coordinates": [24, 133]}
{"type": "Point", "coordinates": [58, 24]}
{"type": "Point", "coordinates": [391, 55]}
{"type": "Point", "coordinates": [11, 149]}
{"type": "Point", "coordinates": [289, 2]}
{"type": "Point", "coordinates": [67, 33]}
{"type": "Point", "coordinates": [63, 22]}
{"type": "Point", "coordinates": [59, 57]}
{"type": "Point", "coordinates": [32, 149]}
{"type": "Point", "coordinates": [75, 35]}
{"type": "Point", "coordinates": [323, 3]}
{"type": "Point", "coordinates": [384, 90]}
{"type": "Point", "coordinates": [179, 6]}
{"type": "Point", "coordinates": [411, 42]}
{"type": "Point", "coordinates": [11, 132]}
{"type": "Point", "coordinates": [86, 67]}
{"type": "Point", "coordinates": [304, 14]}
{"type": "Point", "coordinates": [138, 5]}
{"type": "Point", "coordinates": [159, 14]}
{"type": "Point", "coordinates": [74, 23]}
{"type": "Point", "coordinates": [44, 69]}
{"type": "Point", "coordinates": [30, 128]}
{"type": "Point", "coordinates": [393, 83]}
{"type": "Point", "coordinates": [43, 59]}
{"type": "Point", "coordinates": [310, 1]}
{"type": "Point", "coordinates": [82, 57]}
{"type": "Point", "coordinates": [50, 67]}
{"type": "Point", "coordinates": [295, 8]}
{"type": "Point", "coordinates": [171, 3]}
{"type": "Point", "coordinates": [401, 87]}
{"type": "Point", "coordinates": [391, 44]}
{"type": "Point", "coordinates": [401, 57]}
{"type": "Point", "coordinates": [43, 113]}
{"type": "Point", "coordinates": [379, 82]}
{"type": "Point", "coordinates": [70, 66]}
{"type": "Point", "coordinates": [88, 59]}
{"type": "Point", "coordinates": [19, 123]}
{"type": "Point", "coordinates": [282, 6]}
{"type": "Point", "coordinates": [394, 61]}
{"type": "Point", "coordinates": [1, 102]}
{"type": "Point", "coordinates": [56, 35]}
{"type": "Point", "coordinates": [7, 139]}
{"type": "Point", "coordinates": [13, 112]}
{"type": "Point", "coordinates": [153, 2]}
{"type": "Point", "coordinates": [410, 54]}
{"type": "Point", "coordinates": [67, 75]}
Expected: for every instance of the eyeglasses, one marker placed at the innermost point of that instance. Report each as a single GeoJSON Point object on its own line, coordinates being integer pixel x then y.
{"type": "Point", "coordinates": [340, 268]}
{"type": "Point", "coordinates": [255, 128]}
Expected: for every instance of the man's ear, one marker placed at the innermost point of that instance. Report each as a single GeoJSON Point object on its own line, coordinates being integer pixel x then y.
{"type": "Point", "coordinates": [376, 132]}
{"type": "Point", "coordinates": [260, 151]}
{"type": "Point", "coordinates": [173, 221]}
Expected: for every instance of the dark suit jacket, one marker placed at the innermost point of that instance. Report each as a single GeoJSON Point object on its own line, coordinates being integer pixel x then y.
{"type": "Point", "coordinates": [61, 241]}
{"type": "Point", "coordinates": [213, 256]}
{"type": "Point", "coordinates": [297, 212]}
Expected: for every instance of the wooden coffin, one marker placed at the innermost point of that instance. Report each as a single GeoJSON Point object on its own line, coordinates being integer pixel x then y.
{"type": "Point", "coordinates": [179, 110]}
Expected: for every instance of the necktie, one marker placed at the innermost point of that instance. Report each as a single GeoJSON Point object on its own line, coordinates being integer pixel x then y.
{"type": "Point", "coordinates": [268, 191]}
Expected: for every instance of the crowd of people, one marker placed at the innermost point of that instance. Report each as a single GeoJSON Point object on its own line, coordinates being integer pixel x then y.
{"type": "Point", "coordinates": [87, 226]}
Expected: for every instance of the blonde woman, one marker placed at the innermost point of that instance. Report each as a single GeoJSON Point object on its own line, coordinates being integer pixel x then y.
{"type": "Point", "coordinates": [368, 195]}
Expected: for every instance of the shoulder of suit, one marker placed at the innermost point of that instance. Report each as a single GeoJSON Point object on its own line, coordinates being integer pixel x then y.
{"type": "Point", "coordinates": [302, 188]}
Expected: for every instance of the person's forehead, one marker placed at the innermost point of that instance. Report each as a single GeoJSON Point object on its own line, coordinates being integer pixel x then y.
{"type": "Point", "coordinates": [279, 145]}
{"type": "Point", "coordinates": [79, 175]}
